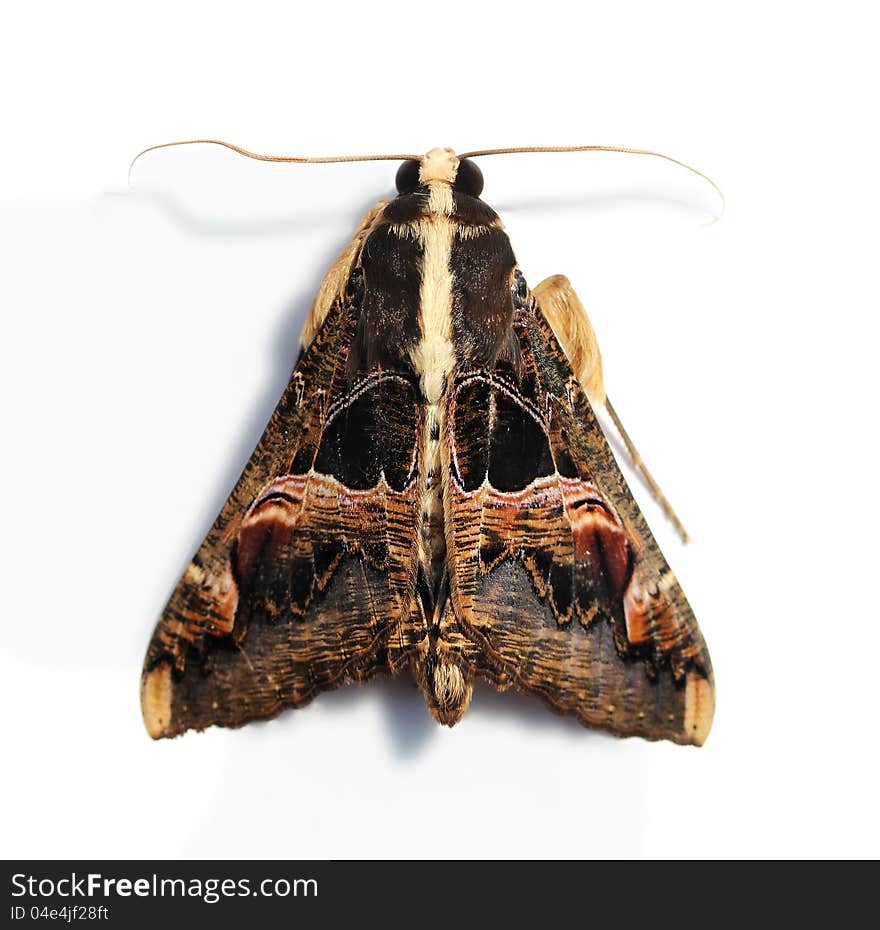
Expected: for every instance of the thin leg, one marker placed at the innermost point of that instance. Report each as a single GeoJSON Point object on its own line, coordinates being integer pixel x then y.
{"type": "Point", "coordinates": [640, 467]}
{"type": "Point", "coordinates": [568, 319]}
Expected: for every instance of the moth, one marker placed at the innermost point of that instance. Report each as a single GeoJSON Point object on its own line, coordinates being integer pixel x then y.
{"type": "Point", "coordinates": [434, 493]}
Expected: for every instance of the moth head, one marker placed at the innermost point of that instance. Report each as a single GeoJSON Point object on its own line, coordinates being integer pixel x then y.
{"type": "Point", "coordinates": [440, 165]}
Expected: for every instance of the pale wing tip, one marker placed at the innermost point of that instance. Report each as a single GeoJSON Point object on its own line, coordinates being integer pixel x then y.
{"type": "Point", "coordinates": [156, 700]}
{"type": "Point", "coordinates": [699, 708]}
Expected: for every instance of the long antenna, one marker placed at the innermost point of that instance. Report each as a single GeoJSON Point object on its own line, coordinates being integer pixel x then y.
{"type": "Point", "coordinates": [294, 159]}
{"type": "Point", "coordinates": [622, 149]}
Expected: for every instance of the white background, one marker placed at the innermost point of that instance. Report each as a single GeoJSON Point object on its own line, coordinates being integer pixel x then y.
{"type": "Point", "coordinates": [147, 334]}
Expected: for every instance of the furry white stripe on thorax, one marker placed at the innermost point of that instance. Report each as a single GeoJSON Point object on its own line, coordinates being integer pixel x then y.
{"type": "Point", "coordinates": [434, 357]}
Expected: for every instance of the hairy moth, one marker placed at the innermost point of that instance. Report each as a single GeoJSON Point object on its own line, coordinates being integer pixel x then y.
{"type": "Point", "coordinates": [434, 493]}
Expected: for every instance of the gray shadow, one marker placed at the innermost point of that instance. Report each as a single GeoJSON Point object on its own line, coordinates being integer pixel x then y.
{"type": "Point", "coordinates": [218, 227]}
{"type": "Point", "coordinates": [408, 722]}
{"type": "Point", "coordinates": [607, 202]}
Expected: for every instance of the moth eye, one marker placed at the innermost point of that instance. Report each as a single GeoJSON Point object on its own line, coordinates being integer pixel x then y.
{"type": "Point", "coordinates": [407, 179]}
{"type": "Point", "coordinates": [469, 179]}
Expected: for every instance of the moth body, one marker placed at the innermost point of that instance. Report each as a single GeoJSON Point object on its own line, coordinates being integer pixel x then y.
{"type": "Point", "coordinates": [434, 492]}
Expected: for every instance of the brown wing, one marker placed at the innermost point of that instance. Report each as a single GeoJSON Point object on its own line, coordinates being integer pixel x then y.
{"type": "Point", "coordinates": [554, 571]}
{"type": "Point", "coordinates": [306, 579]}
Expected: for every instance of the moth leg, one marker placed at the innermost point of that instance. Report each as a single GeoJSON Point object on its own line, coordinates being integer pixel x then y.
{"type": "Point", "coordinates": [569, 321]}
{"type": "Point", "coordinates": [338, 273]}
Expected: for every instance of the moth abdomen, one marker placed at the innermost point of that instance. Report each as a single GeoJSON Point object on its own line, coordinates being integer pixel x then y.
{"type": "Point", "coordinates": [445, 684]}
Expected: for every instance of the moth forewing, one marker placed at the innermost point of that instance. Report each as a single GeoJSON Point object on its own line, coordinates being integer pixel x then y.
{"type": "Point", "coordinates": [433, 492]}
{"type": "Point", "coordinates": [334, 281]}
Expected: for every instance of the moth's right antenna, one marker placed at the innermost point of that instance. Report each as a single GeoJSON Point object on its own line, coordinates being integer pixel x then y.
{"type": "Point", "coordinates": [625, 150]}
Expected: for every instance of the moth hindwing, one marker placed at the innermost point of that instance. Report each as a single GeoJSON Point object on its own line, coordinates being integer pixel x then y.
{"type": "Point", "coordinates": [433, 492]}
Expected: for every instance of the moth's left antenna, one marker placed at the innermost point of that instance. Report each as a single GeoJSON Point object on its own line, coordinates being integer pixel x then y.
{"type": "Point", "coordinates": [292, 159]}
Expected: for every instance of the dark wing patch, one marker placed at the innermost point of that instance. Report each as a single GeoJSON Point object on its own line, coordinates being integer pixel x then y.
{"type": "Point", "coordinates": [370, 432]}
{"type": "Point", "coordinates": [499, 438]}
{"type": "Point", "coordinates": [517, 443]}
